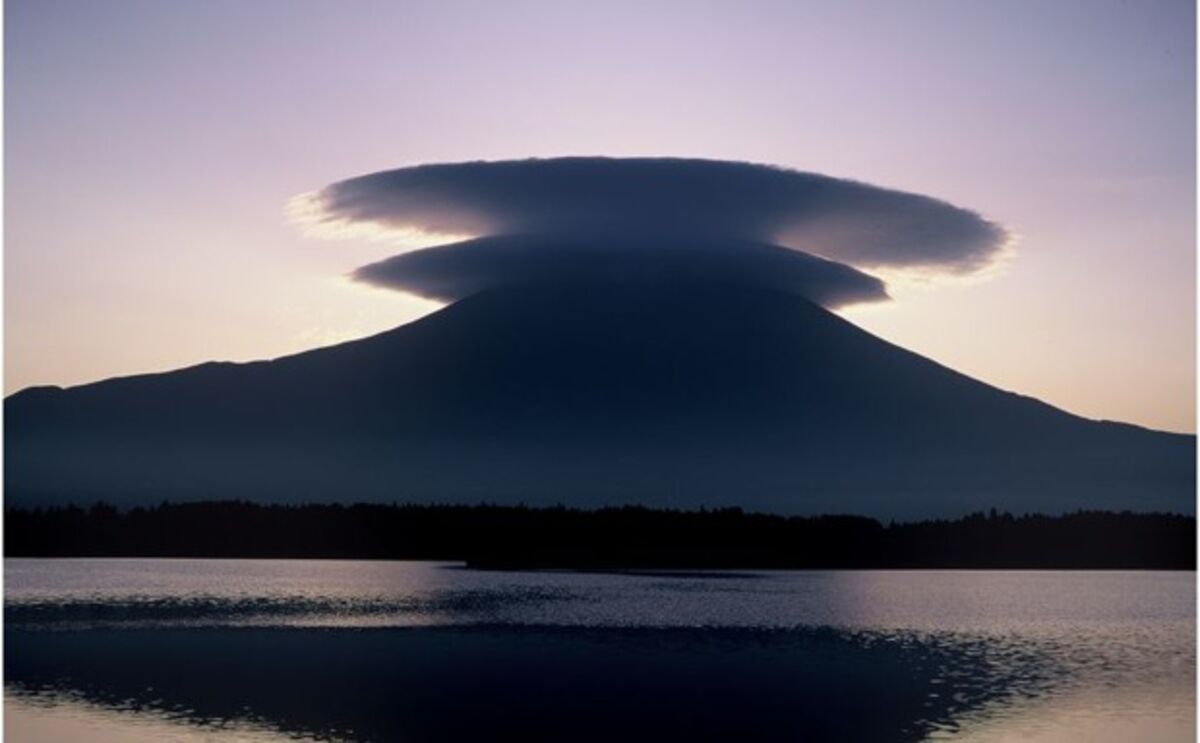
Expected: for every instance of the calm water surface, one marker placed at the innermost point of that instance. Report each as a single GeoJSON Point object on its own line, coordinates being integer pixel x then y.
{"type": "Point", "coordinates": [343, 650]}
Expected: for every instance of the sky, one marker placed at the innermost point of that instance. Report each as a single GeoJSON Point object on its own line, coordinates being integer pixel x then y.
{"type": "Point", "coordinates": [152, 148]}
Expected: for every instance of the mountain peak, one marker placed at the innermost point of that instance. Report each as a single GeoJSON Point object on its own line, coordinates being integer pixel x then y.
{"type": "Point", "coordinates": [591, 393]}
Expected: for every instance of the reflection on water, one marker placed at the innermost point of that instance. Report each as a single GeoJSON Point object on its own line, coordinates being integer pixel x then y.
{"type": "Point", "coordinates": [62, 718]}
{"type": "Point", "coordinates": [384, 651]}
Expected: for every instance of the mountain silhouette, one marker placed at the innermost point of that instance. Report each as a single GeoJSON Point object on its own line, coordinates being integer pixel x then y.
{"type": "Point", "coordinates": [586, 394]}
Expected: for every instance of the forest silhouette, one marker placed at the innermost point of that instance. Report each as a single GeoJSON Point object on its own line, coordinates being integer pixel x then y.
{"type": "Point", "coordinates": [630, 537]}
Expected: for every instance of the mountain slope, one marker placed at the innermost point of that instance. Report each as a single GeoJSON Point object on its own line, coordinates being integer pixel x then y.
{"type": "Point", "coordinates": [588, 394]}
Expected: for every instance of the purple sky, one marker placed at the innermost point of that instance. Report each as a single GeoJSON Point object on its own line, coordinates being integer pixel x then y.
{"type": "Point", "coordinates": [152, 147]}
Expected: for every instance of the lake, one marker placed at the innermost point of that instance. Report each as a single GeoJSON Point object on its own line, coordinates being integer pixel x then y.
{"type": "Point", "coordinates": [130, 650]}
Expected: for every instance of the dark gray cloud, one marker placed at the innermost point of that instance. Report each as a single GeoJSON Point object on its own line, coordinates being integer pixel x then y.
{"type": "Point", "coordinates": [452, 272]}
{"type": "Point", "coordinates": [836, 219]}
{"type": "Point", "coordinates": [608, 219]}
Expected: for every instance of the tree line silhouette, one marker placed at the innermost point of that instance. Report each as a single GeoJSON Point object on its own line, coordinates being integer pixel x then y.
{"type": "Point", "coordinates": [489, 536]}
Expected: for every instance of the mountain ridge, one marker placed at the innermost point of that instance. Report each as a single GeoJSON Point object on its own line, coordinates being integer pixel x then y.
{"type": "Point", "coordinates": [674, 395]}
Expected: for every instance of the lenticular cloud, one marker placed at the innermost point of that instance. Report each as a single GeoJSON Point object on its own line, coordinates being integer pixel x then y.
{"type": "Point", "coordinates": [527, 222]}
{"type": "Point", "coordinates": [453, 272]}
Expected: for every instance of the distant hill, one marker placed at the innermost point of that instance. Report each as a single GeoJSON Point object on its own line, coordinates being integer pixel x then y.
{"type": "Point", "coordinates": [592, 394]}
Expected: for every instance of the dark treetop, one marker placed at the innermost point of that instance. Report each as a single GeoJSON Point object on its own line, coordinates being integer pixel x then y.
{"type": "Point", "coordinates": [630, 537]}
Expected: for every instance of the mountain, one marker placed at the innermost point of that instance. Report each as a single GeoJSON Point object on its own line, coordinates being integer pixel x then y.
{"type": "Point", "coordinates": [590, 394]}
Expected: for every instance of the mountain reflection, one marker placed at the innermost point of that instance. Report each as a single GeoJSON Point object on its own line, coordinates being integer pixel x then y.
{"type": "Point", "coordinates": [440, 683]}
